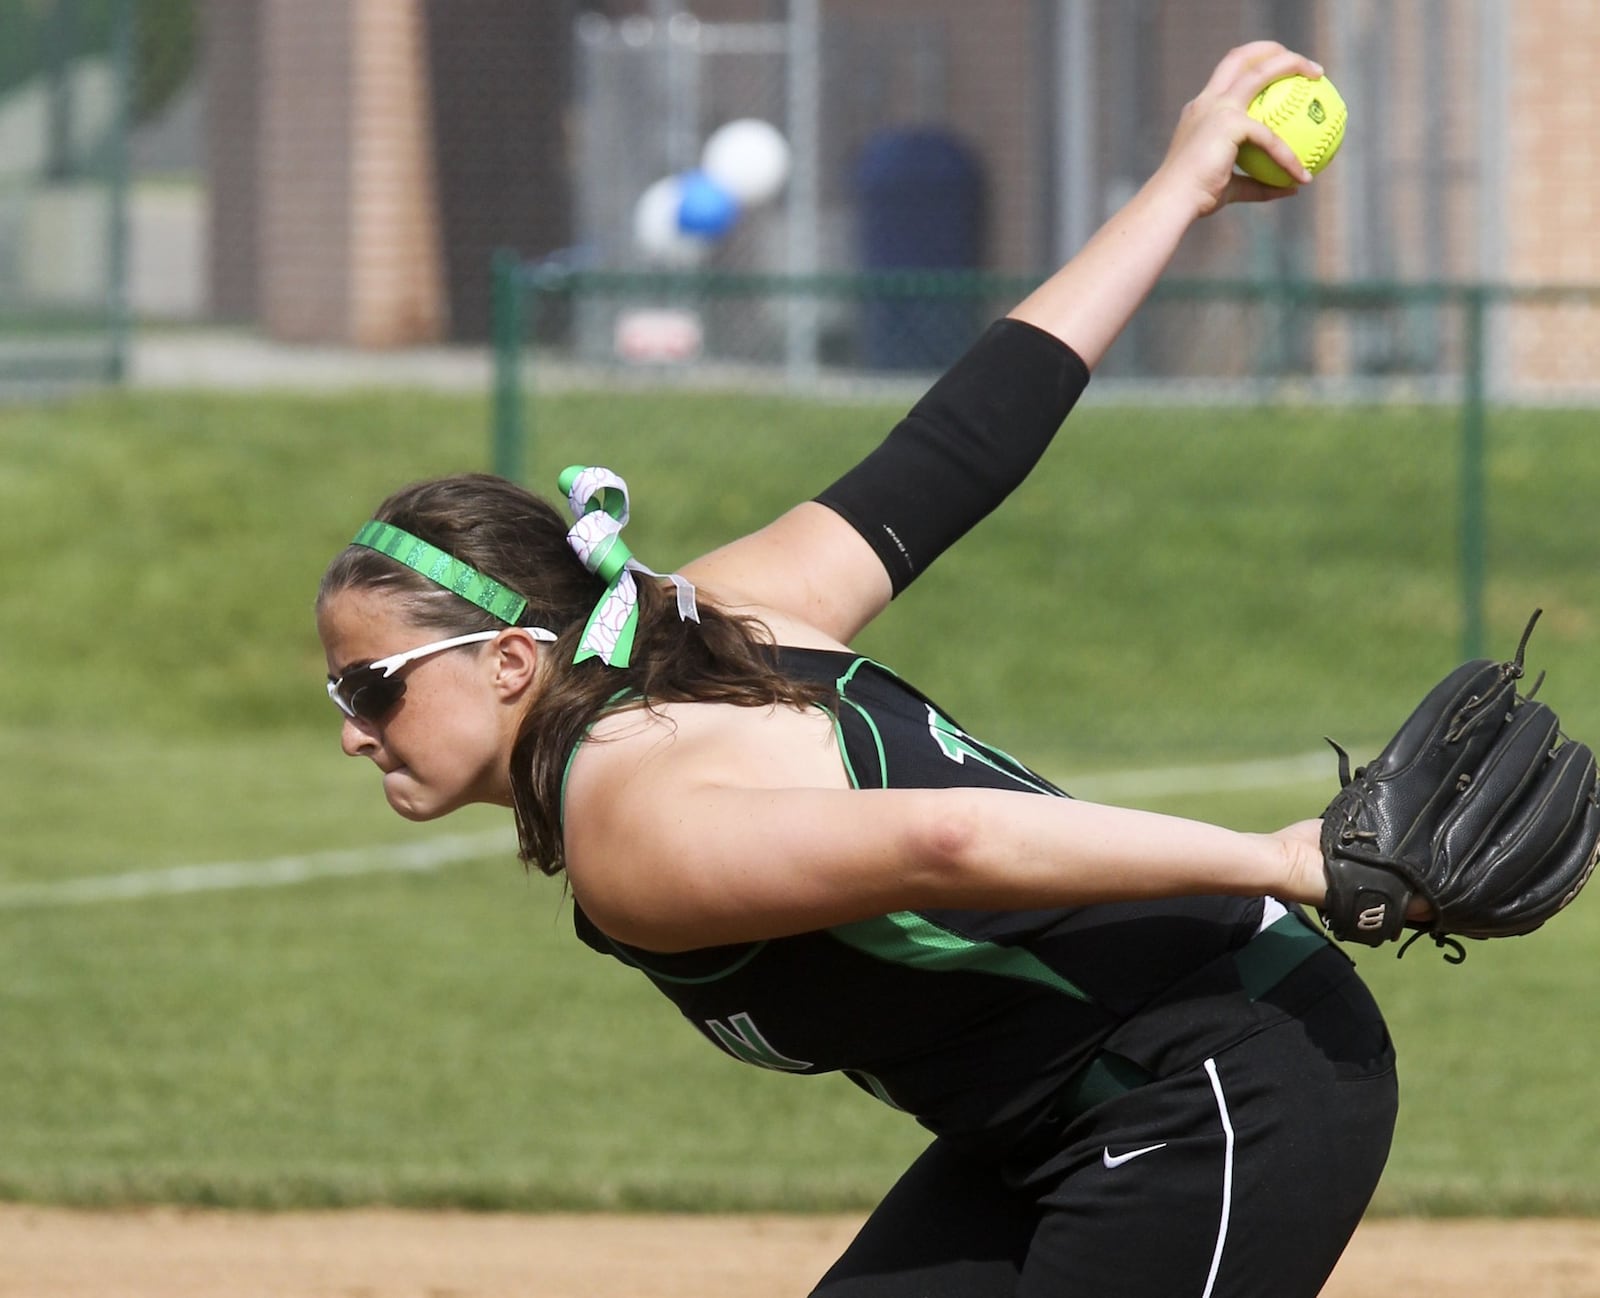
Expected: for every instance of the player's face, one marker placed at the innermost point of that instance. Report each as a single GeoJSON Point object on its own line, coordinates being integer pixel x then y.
{"type": "Point", "coordinates": [444, 742]}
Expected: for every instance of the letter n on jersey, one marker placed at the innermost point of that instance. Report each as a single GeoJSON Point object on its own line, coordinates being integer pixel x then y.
{"type": "Point", "coordinates": [740, 1037]}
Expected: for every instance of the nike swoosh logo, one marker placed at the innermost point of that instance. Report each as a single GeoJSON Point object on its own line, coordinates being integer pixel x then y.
{"type": "Point", "coordinates": [1117, 1160]}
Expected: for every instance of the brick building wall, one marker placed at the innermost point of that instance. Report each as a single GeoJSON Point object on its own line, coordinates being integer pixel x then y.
{"type": "Point", "coordinates": [396, 289]}
{"type": "Point", "coordinates": [1552, 190]}
{"type": "Point", "coordinates": [323, 219]}
{"type": "Point", "coordinates": [304, 181]}
{"type": "Point", "coordinates": [365, 158]}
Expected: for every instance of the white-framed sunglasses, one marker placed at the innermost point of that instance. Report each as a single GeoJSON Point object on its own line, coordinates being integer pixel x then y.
{"type": "Point", "coordinates": [367, 693]}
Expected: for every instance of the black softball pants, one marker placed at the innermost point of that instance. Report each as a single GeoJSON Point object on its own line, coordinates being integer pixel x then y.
{"type": "Point", "coordinates": [1243, 1176]}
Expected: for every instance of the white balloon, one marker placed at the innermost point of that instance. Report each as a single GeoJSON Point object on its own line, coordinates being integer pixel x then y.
{"type": "Point", "coordinates": [749, 158]}
{"type": "Point", "coordinates": [656, 229]}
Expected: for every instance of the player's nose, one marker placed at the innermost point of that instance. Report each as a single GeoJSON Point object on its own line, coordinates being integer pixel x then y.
{"type": "Point", "coordinates": [356, 739]}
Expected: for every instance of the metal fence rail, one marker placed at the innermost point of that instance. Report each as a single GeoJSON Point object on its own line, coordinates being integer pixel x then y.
{"type": "Point", "coordinates": [1463, 352]}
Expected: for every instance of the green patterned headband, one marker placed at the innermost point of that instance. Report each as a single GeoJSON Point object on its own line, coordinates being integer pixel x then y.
{"type": "Point", "coordinates": [442, 569]}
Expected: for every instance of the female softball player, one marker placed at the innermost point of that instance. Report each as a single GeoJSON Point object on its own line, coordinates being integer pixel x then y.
{"type": "Point", "coordinates": [1144, 1071]}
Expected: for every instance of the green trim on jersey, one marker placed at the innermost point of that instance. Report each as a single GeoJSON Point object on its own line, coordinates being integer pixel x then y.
{"type": "Point", "coordinates": [952, 740]}
{"type": "Point", "coordinates": [844, 752]}
{"type": "Point", "coordinates": [840, 685]}
{"type": "Point", "coordinates": [907, 938]}
{"type": "Point", "coordinates": [957, 745]}
{"type": "Point", "coordinates": [877, 737]}
{"type": "Point", "coordinates": [873, 1086]}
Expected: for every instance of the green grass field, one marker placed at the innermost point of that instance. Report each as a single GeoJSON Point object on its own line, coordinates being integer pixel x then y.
{"type": "Point", "coordinates": [1172, 588]}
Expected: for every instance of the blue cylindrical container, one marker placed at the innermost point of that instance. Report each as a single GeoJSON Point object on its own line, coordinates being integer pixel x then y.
{"type": "Point", "coordinates": [919, 199]}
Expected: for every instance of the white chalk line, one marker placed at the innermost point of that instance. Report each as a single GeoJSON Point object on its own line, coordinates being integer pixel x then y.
{"type": "Point", "coordinates": [277, 872]}
{"type": "Point", "coordinates": [453, 849]}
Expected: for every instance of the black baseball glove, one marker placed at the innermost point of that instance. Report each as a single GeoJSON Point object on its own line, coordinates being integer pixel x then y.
{"type": "Point", "coordinates": [1478, 806]}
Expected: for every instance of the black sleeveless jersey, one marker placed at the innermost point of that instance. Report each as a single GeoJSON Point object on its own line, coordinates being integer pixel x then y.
{"type": "Point", "coordinates": [971, 1020]}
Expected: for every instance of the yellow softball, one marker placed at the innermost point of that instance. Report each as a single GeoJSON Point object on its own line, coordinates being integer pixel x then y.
{"type": "Point", "coordinates": [1309, 115]}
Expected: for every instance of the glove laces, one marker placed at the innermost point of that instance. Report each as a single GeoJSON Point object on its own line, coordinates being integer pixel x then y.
{"type": "Point", "coordinates": [1451, 949]}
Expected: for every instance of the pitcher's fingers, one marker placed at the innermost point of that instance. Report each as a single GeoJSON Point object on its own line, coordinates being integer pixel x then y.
{"type": "Point", "coordinates": [1256, 77]}
{"type": "Point", "coordinates": [1277, 148]}
{"type": "Point", "coordinates": [1247, 189]}
{"type": "Point", "coordinates": [1252, 76]}
{"type": "Point", "coordinates": [1239, 60]}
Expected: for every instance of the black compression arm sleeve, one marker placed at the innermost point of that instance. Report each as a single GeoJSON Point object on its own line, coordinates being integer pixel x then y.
{"type": "Point", "coordinates": [963, 448]}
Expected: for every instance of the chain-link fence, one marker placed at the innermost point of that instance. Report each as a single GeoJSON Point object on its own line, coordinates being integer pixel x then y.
{"type": "Point", "coordinates": [343, 172]}
{"type": "Point", "coordinates": [927, 163]}
{"type": "Point", "coordinates": [916, 155]}
{"type": "Point", "coordinates": [1206, 353]}
{"type": "Point", "coordinates": [93, 94]}
{"type": "Point", "coordinates": [64, 78]}
{"type": "Point", "coordinates": [916, 142]}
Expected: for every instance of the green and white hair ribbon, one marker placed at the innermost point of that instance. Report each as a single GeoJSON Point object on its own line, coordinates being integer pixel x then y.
{"type": "Point", "coordinates": [599, 502]}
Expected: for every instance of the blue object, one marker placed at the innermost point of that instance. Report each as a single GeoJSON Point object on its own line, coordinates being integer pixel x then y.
{"type": "Point", "coordinates": [706, 208]}
{"type": "Point", "coordinates": [919, 195]}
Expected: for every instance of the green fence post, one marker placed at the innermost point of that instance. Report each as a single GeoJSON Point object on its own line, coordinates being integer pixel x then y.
{"type": "Point", "coordinates": [118, 312]}
{"type": "Point", "coordinates": [506, 433]}
{"type": "Point", "coordinates": [1473, 422]}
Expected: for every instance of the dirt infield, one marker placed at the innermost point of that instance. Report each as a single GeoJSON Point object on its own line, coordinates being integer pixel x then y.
{"type": "Point", "coordinates": [49, 1253]}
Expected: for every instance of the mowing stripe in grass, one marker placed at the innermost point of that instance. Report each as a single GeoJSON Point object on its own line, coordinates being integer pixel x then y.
{"type": "Point", "coordinates": [1217, 777]}
{"type": "Point", "coordinates": [278, 872]}
{"type": "Point", "coordinates": [436, 853]}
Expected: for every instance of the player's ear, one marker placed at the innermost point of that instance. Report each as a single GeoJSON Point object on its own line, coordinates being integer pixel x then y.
{"type": "Point", "coordinates": [515, 662]}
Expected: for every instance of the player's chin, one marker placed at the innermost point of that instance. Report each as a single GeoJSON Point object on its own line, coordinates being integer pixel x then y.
{"type": "Point", "coordinates": [412, 799]}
